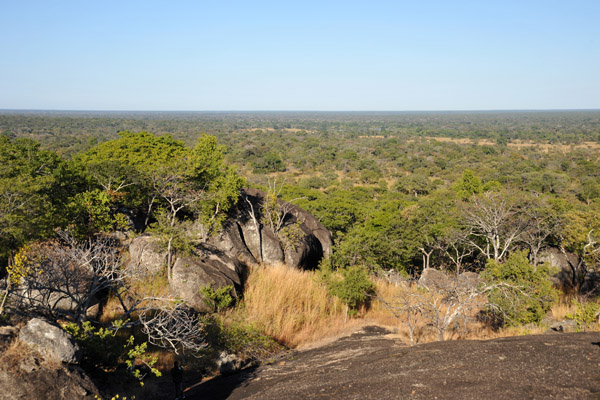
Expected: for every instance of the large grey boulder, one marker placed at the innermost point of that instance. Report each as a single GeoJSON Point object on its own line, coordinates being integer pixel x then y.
{"type": "Point", "coordinates": [145, 255]}
{"type": "Point", "coordinates": [569, 267]}
{"type": "Point", "coordinates": [208, 267]}
{"type": "Point", "coordinates": [245, 237]}
{"type": "Point", "coordinates": [51, 341]}
{"type": "Point", "coordinates": [434, 279]}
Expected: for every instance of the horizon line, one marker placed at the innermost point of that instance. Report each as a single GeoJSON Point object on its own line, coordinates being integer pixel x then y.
{"type": "Point", "coordinates": [23, 110]}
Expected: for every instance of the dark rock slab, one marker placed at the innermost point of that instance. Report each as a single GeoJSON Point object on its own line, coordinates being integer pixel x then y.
{"type": "Point", "coordinates": [369, 365]}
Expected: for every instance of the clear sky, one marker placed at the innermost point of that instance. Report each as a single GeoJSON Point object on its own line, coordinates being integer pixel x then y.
{"type": "Point", "coordinates": [299, 55]}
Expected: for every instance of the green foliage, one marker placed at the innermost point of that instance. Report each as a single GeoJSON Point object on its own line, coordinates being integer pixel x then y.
{"type": "Point", "coordinates": [369, 247]}
{"type": "Point", "coordinates": [291, 235]}
{"type": "Point", "coordinates": [586, 313]}
{"type": "Point", "coordinates": [217, 299]}
{"type": "Point", "coordinates": [351, 284]}
{"type": "Point", "coordinates": [20, 266]}
{"type": "Point", "coordinates": [239, 338]}
{"type": "Point", "coordinates": [93, 212]}
{"type": "Point", "coordinates": [525, 292]}
{"type": "Point", "coordinates": [468, 185]}
{"type": "Point", "coordinates": [336, 159]}
{"type": "Point", "coordinates": [140, 169]}
{"type": "Point", "coordinates": [104, 348]}
{"type": "Point", "coordinates": [208, 172]}
{"type": "Point", "coordinates": [270, 162]}
{"type": "Point", "coordinates": [36, 187]}
{"type": "Point", "coordinates": [177, 232]}
{"type": "Point", "coordinates": [137, 352]}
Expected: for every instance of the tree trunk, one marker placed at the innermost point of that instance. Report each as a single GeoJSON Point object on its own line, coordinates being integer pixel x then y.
{"type": "Point", "coordinates": [169, 260]}
{"type": "Point", "coordinates": [5, 295]}
{"type": "Point", "coordinates": [440, 335]}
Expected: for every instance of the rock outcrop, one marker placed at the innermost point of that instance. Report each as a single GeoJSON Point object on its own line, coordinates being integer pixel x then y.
{"type": "Point", "coordinates": [34, 366]}
{"type": "Point", "coordinates": [369, 364]}
{"type": "Point", "coordinates": [569, 270]}
{"type": "Point", "coordinates": [64, 382]}
{"type": "Point", "coordinates": [145, 256]}
{"type": "Point", "coordinates": [38, 363]}
{"type": "Point", "coordinates": [246, 237]}
{"type": "Point", "coordinates": [228, 363]}
{"type": "Point", "coordinates": [567, 325]}
{"type": "Point", "coordinates": [51, 341]}
{"type": "Point", "coordinates": [208, 267]}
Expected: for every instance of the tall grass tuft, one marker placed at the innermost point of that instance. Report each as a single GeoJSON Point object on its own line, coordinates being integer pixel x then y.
{"type": "Point", "coordinates": [291, 305]}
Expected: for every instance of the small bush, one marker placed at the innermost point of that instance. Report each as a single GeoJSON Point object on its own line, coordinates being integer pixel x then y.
{"type": "Point", "coordinates": [528, 293]}
{"type": "Point", "coordinates": [585, 314]}
{"type": "Point", "coordinates": [245, 340]}
{"type": "Point", "coordinates": [217, 299]}
{"type": "Point", "coordinates": [103, 348]}
{"type": "Point", "coordinates": [352, 285]}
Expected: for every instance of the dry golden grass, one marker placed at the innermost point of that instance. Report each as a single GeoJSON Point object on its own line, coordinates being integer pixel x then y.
{"type": "Point", "coordinates": [296, 309]}
{"type": "Point", "coordinates": [521, 144]}
{"type": "Point", "coordinates": [562, 308]}
{"type": "Point", "coordinates": [291, 305]}
{"type": "Point", "coordinates": [111, 310]}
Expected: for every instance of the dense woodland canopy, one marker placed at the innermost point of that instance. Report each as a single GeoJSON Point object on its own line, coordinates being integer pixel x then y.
{"type": "Point", "coordinates": [398, 191]}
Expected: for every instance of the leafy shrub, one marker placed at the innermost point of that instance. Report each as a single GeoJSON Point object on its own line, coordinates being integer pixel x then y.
{"type": "Point", "coordinates": [525, 292]}
{"type": "Point", "coordinates": [217, 299]}
{"type": "Point", "coordinates": [103, 348]}
{"type": "Point", "coordinates": [585, 314]}
{"type": "Point", "coordinates": [245, 340]}
{"type": "Point", "coordinates": [351, 285]}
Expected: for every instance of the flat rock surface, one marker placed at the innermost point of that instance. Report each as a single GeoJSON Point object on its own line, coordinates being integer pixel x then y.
{"type": "Point", "coordinates": [369, 364]}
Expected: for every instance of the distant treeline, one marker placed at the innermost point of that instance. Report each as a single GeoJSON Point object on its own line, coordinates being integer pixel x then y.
{"type": "Point", "coordinates": [75, 131]}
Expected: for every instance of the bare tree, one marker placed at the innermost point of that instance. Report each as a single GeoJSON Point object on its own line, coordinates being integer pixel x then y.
{"type": "Point", "coordinates": [541, 223]}
{"type": "Point", "coordinates": [275, 212]}
{"type": "Point", "coordinates": [173, 187]}
{"type": "Point", "coordinates": [272, 213]}
{"type": "Point", "coordinates": [444, 305]}
{"type": "Point", "coordinates": [494, 222]}
{"type": "Point", "coordinates": [443, 301]}
{"type": "Point", "coordinates": [454, 245]}
{"type": "Point", "coordinates": [257, 225]}
{"type": "Point", "coordinates": [63, 278]}
{"type": "Point", "coordinates": [174, 326]}
{"type": "Point", "coordinates": [407, 307]}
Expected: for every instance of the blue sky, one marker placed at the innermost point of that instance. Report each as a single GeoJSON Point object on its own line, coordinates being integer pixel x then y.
{"type": "Point", "coordinates": [305, 55]}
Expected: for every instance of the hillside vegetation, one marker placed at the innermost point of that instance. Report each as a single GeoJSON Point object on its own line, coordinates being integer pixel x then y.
{"type": "Point", "coordinates": [488, 199]}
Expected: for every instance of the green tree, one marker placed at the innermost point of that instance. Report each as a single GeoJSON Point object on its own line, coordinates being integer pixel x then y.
{"type": "Point", "coordinates": [468, 185]}
{"type": "Point", "coordinates": [36, 187]}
